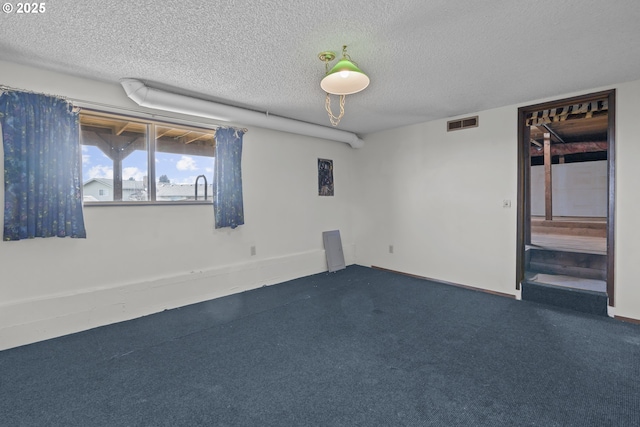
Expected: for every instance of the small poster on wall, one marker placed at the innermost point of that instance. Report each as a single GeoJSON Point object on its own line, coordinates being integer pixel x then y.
{"type": "Point", "coordinates": [325, 177]}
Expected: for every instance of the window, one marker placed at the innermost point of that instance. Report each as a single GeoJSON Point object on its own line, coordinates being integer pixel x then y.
{"type": "Point", "coordinates": [127, 159]}
{"type": "Point", "coordinates": [184, 163]}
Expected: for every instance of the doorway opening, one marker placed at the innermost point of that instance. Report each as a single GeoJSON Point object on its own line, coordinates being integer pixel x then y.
{"type": "Point", "coordinates": [566, 195]}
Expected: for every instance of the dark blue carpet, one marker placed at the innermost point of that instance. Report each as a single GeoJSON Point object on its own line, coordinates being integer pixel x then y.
{"type": "Point", "coordinates": [358, 347]}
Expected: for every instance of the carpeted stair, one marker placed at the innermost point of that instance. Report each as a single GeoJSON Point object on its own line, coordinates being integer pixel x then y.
{"type": "Point", "coordinates": [585, 301]}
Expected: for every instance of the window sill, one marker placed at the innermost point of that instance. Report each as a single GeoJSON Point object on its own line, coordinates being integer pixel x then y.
{"type": "Point", "coordinates": [181, 203]}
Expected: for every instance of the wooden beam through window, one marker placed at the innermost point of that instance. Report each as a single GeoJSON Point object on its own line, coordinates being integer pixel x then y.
{"type": "Point", "coordinates": [120, 128]}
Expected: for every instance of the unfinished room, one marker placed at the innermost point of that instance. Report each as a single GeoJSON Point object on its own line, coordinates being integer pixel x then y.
{"type": "Point", "coordinates": [365, 213]}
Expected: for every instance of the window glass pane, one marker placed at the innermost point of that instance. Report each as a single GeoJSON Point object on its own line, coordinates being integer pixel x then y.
{"type": "Point", "coordinates": [184, 156]}
{"type": "Point", "coordinates": [134, 176]}
{"type": "Point", "coordinates": [97, 175]}
{"type": "Point", "coordinates": [114, 159]}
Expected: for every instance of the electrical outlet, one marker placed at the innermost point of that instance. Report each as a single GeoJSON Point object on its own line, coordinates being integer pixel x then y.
{"type": "Point", "coordinates": [253, 250]}
{"type": "Point", "coordinates": [390, 249]}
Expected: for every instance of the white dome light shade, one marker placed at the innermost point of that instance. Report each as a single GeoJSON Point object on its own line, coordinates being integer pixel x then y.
{"type": "Point", "coordinates": [345, 78]}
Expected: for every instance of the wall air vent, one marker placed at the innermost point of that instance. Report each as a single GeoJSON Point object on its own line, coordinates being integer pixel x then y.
{"type": "Point", "coordinates": [467, 122]}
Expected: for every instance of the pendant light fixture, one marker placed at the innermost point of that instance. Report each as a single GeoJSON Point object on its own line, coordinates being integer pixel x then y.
{"type": "Point", "coordinates": [345, 78]}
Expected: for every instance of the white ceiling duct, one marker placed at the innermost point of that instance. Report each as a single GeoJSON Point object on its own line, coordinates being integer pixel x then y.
{"type": "Point", "coordinates": [146, 96]}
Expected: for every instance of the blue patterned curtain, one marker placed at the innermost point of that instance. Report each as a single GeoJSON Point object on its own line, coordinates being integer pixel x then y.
{"type": "Point", "coordinates": [227, 202]}
{"type": "Point", "coordinates": [42, 182]}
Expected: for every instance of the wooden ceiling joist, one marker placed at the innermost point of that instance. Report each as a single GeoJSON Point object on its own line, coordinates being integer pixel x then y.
{"type": "Point", "coordinates": [553, 133]}
{"type": "Point", "coordinates": [193, 138]}
{"type": "Point", "coordinates": [120, 128]}
{"type": "Point", "coordinates": [160, 132]}
{"type": "Point", "coordinates": [572, 148]}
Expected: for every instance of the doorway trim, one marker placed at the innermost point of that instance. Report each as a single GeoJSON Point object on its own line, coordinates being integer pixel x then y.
{"type": "Point", "coordinates": [524, 208]}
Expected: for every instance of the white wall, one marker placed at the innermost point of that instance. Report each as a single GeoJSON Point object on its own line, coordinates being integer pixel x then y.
{"type": "Point", "coordinates": [137, 260]}
{"type": "Point", "coordinates": [627, 269]}
{"type": "Point", "coordinates": [578, 189]}
{"type": "Point", "coordinates": [437, 197]}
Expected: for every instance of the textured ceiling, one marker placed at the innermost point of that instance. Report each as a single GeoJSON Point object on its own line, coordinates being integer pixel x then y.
{"type": "Point", "coordinates": [427, 59]}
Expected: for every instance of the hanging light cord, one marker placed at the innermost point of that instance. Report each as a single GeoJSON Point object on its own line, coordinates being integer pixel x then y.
{"type": "Point", "coordinates": [335, 120]}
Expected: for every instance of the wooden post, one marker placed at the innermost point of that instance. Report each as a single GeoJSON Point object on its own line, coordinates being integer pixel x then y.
{"type": "Point", "coordinates": [117, 174]}
{"type": "Point", "coordinates": [548, 193]}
